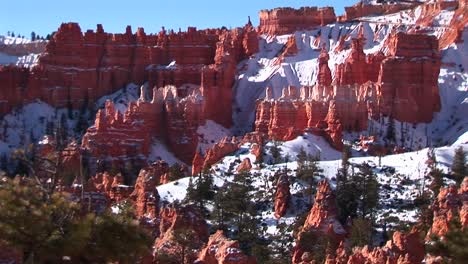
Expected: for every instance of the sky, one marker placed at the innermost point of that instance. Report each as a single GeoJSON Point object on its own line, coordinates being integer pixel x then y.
{"type": "Point", "coordinates": [43, 17]}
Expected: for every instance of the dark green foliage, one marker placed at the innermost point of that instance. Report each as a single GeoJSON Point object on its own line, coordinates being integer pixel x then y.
{"type": "Point", "coordinates": [200, 192]}
{"type": "Point", "coordinates": [275, 152]}
{"type": "Point", "coordinates": [33, 36]}
{"type": "Point", "coordinates": [459, 166]}
{"type": "Point", "coordinates": [309, 172]}
{"type": "Point", "coordinates": [176, 172]}
{"type": "Point", "coordinates": [361, 233]}
{"type": "Point", "coordinates": [235, 211]}
{"type": "Point", "coordinates": [47, 227]}
{"type": "Point", "coordinates": [425, 213]}
{"type": "Point", "coordinates": [185, 238]}
{"type": "Point", "coordinates": [452, 248]}
{"type": "Point", "coordinates": [281, 247]}
{"type": "Point", "coordinates": [437, 180]}
{"type": "Point", "coordinates": [368, 190]}
{"type": "Point", "coordinates": [317, 244]}
{"type": "Point", "coordinates": [356, 195]}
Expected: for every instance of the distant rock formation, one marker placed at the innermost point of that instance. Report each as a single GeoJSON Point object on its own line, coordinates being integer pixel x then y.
{"type": "Point", "coordinates": [407, 73]}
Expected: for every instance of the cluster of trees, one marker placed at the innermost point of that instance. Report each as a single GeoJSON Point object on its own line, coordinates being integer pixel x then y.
{"type": "Point", "coordinates": [48, 227]}
{"type": "Point", "coordinates": [34, 36]}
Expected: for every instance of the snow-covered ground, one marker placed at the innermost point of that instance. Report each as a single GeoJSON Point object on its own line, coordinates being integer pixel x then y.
{"type": "Point", "coordinates": [27, 60]}
{"type": "Point", "coordinates": [400, 177]}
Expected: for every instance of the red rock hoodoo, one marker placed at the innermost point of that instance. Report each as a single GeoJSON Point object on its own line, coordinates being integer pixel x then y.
{"type": "Point", "coordinates": [359, 91]}
{"type": "Point", "coordinates": [78, 68]}
{"type": "Point", "coordinates": [282, 196]}
{"type": "Point", "coordinates": [449, 203]}
{"type": "Point", "coordinates": [221, 250]}
{"type": "Point", "coordinates": [222, 148]}
{"type": "Point", "coordinates": [179, 219]}
{"type": "Point", "coordinates": [403, 248]}
{"type": "Point", "coordinates": [322, 220]}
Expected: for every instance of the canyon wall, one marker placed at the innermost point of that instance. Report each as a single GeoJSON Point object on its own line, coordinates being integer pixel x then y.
{"type": "Point", "coordinates": [280, 21]}
{"type": "Point", "coordinates": [361, 9]}
{"type": "Point", "coordinates": [175, 112]}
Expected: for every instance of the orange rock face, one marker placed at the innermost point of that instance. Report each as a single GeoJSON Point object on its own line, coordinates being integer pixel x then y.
{"type": "Point", "coordinates": [245, 165]}
{"type": "Point", "coordinates": [221, 250]}
{"type": "Point", "coordinates": [361, 9]}
{"type": "Point", "coordinates": [175, 113]}
{"type": "Point", "coordinates": [403, 248]}
{"type": "Point", "coordinates": [449, 203]}
{"type": "Point", "coordinates": [226, 146]}
{"type": "Point", "coordinates": [145, 194]}
{"type": "Point", "coordinates": [363, 86]}
{"type": "Point", "coordinates": [322, 219]}
{"type": "Point", "coordinates": [282, 196]}
{"type": "Point", "coordinates": [176, 219]}
{"type": "Point", "coordinates": [280, 21]}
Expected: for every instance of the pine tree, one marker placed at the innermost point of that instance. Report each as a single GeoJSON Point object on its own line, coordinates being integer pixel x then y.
{"type": "Point", "coordinates": [437, 180]}
{"type": "Point", "coordinates": [33, 36]}
{"type": "Point", "coordinates": [452, 248]}
{"type": "Point", "coordinates": [301, 156]}
{"type": "Point", "coordinates": [309, 171]}
{"type": "Point", "coordinates": [459, 165]}
{"type": "Point", "coordinates": [200, 192]}
{"type": "Point", "coordinates": [361, 233]}
{"type": "Point", "coordinates": [367, 189]}
{"type": "Point", "coordinates": [275, 152]}
{"type": "Point", "coordinates": [47, 227]}
{"type": "Point", "coordinates": [185, 238]}
{"type": "Point", "coordinates": [391, 130]}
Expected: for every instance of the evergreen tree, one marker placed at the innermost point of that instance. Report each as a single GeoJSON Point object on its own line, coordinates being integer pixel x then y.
{"type": "Point", "coordinates": [45, 228]}
{"type": "Point", "coordinates": [459, 165]}
{"type": "Point", "coordinates": [308, 171]}
{"type": "Point", "coordinates": [361, 233]}
{"type": "Point", "coordinates": [33, 36]}
{"type": "Point", "coordinates": [275, 152]}
{"type": "Point", "coordinates": [176, 172]}
{"type": "Point", "coordinates": [391, 130]}
{"type": "Point", "coordinates": [281, 246]}
{"type": "Point", "coordinates": [367, 189]}
{"type": "Point", "coordinates": [452, 248]}
{"type": "Point", "coordinates": [301, 157]}
{"type": "Point", "coordinates": [437, 180]}
{"type": "Point", "coordinates": [202, 191]}
{"type": "Point", "coordinates": [185, 238]}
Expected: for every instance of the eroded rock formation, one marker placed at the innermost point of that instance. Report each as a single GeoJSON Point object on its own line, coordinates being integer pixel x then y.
{"type": "Point", "coordinates": [321, 221]}
{"type": "Point", "coordinates": [222, 148]}
{"type": "Point", "coordinates": [221, 250]}
{"type": "Point", "coordinates": [403, 248]}
{"type": "Point", "coordinates": [407, 72]}
{"type": "Point", "coordinates": [450, 203]}
{"type": "Point", "coordinates": [280, 21]}
{"type": "Point", "coordinates": [176, 220]}
{"type": "Point", "coordinates": [282, 196]}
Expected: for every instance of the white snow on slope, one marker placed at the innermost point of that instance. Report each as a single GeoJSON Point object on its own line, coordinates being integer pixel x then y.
{"type": "Point", "coordinates": [159, 151]}
{"type": "Point", "coordinates": [209, 134]}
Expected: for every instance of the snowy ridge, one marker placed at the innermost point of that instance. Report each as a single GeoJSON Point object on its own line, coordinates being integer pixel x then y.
{"type": "Point", "coordinates": [400, 176]}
